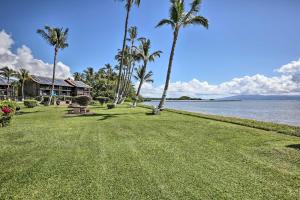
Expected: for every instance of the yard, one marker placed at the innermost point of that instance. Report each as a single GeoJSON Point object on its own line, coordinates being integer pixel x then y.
{"type": "Point", "coordinates": [127, 154]}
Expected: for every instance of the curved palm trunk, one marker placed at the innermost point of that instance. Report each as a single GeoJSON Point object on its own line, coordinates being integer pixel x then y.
{"type": "Point", "coordinates": [53, 76]}
{"type": "Point", "coordinates": [128, 83]}
{"type": "Point", "coordinates": [138, 93]}
{"type": "Point", "coordinates": [141, 83]}
{"type": "Point", "coordinates": [122, 58]}
{"type": "Point", "coordinates": [164, 96]}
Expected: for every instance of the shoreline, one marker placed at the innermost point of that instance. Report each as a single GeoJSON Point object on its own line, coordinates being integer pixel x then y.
{"type": "Point", "coordinates": [262, 125]}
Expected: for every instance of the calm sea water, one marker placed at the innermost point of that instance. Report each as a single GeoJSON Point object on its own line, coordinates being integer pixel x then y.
{"type": "Point", "coordinates": [278, 111]}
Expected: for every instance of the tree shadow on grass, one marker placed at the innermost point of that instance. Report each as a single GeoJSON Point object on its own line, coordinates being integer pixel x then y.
{"type": "Point", "coordinates": [102, 116]}
{"type": "Point", "coordinates": [26, 113]}
{"type": "Point", "coordinates": [294, 146]}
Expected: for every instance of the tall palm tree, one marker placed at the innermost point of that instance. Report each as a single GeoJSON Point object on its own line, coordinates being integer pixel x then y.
{"type": "Point", "coordinates": [128, 6]}
{"type": "Point", "coordinates": [143, 77]}
{"type": "Point", "coordinates": [23, 75]}
{"type": "Point", "coordinates": [178, 19]}
{"type": "Point", "coordinates": [7, 73]}
{"type": "Point", "coordinates": [145, 56]}
{"type": "Point", "coordinates": [132, 31]}
{"type": "Point", "coordinates": [56, 37]}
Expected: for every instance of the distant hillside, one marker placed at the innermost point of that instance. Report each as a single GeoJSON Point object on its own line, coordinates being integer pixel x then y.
{"type": "Point", "coordinates": [263, 97]}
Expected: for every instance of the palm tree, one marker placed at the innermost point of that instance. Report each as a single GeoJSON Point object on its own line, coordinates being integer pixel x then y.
{"type": "Point", "coordinates": [89, 75]}
{"type": "Point", "coordinates": [179, 18]}
{"type": "Point", "coordinates": [143, 77]}
{"type": "Point", "coordinates": [56, 37]}
{"type": "Point", "coordinates": [23, 75]}
{"type": "Point", "coordinates": [128, 6]}
{"type": "Point", "coordinates": [7, 73]}
{"type": "Point", "coordinates": [132, 31]}
{"type": "Point", "coordinates": [78, 76]}
{"type": "Point", "coordinates": [145, 55]}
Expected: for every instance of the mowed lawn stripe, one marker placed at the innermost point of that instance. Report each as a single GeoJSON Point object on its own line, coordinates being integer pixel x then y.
{"type": "Point", "coordinates": [126, 153]}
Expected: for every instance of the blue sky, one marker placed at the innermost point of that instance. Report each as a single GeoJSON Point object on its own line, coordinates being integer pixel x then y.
{"type": "Point", "coordinates": [245, 38]}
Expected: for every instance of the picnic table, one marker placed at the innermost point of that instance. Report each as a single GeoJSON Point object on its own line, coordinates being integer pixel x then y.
{"type": "Point", "coordinates": [78, 109]}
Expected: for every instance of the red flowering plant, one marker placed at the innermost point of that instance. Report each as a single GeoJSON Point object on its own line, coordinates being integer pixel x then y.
{"type": "Point", "coordinates": [8, 109]}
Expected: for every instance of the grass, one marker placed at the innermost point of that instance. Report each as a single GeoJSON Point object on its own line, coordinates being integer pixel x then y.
{"type": "Point", "coordinates": [267, 126]}
{"type": "Point", "coordinates": [126, 154]}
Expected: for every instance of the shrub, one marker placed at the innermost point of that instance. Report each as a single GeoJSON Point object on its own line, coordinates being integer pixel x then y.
{"type": "Point", "coordinates": [102, 100]}
{"type": "Point", "coordinates": [39, 98]}
{"type": "Point", "coordinates": [92, 103]}
{"type": "Point", "coordinates": [12, 105]}
{"type": "Point", "coordinates": [83, 100]}
{"type": "Point", "coordinates": [111, 106]}
{"type": "Point", "coordinates": [8, 109]}
{"type": "Point", "coordinates": [30, 103]}
{"type": "Point", "coordinates": [46, 100]}
{"type": "Point", "coordinates": [129, 100]}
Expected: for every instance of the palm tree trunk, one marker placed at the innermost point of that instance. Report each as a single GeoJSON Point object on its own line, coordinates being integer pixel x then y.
{"type": "Point", "coordinates": [7, 89]}
{"type": "Point", "coordinates": [23, 97]}
{"type": "Point", "coordinates": [138, 93]}
{"type": "Point", "coordinates": [53, 76]}
{"type": "Point", "coordinates": [164, 96]}
{"type": "Point", "coordinates": [122, 57]}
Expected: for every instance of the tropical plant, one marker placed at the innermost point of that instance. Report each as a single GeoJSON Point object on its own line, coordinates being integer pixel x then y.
{"type": "Point", "coordinates": [143, 54]}
{"type": "Point", "coordinates": [83, 100]}
{"type": "Point", "coordinates": [178, 19]}
{"type": "Point", "coordinates": [30, 103]}
{"type": "Point", "coordinates": [78, 76]}
{"type": "Point", "coordinates": [56, 37]}
{"type": "Point", "coordinates": [143, 77]}
{"type": "Point", "coordinates": [132, 31]}
{"type": "Point", "coordinates": [89, 75]}
{"type": "Point", "coordinates": [23, 75]}
{"type": "Point", "coordinates": [7, 73]}
{"type": "Point", "coordinates": [128, 6]}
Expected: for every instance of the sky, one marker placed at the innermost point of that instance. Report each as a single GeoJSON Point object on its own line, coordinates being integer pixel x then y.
{"type": "Point", "coordinates": [251, 47]}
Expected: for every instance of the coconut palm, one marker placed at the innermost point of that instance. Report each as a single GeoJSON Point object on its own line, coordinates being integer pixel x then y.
{"type": "Point", "coordinates": [143, 54]}
{"type": "Point", "coordinates": [23, 75]}
{"type": "Point", "coordinates": [178, 19]}
{"type": "Point", "coordinates": [132, 31]}
{"type": "Point", "coordinates": [78, 76]}
{"type": "Point", "coordinates": [143, 77]}
{"type": "Point", "coordinates": [128, 6]}
{"type": "Point", "coordinates": [89, 75]}
{"type": "Point", "coordinates": [56, 37]}
{"type": "Point", "coordinates": [7, 73]}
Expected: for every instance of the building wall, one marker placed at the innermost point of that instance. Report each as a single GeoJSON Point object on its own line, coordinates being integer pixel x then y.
{"type": "Point", "coordinates": [31, 88]}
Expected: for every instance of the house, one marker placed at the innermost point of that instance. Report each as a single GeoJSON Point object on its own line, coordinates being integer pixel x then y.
{"type": "Point", "coordinates": [80, 88]}
{"type": "Point", "coordinates": [5, 88]}
{"type": "Point", "coordinates": [41, 86]}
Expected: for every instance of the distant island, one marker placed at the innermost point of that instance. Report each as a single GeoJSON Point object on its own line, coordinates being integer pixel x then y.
{"type": "Point", "coordinates": [263, 97]}
{"type": "Point", "coordinates": [183, 98]}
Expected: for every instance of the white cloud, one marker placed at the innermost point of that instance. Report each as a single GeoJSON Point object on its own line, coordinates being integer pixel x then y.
{"type": "Point", "coordinates": [293, 68]}
{"type": "Point", "coordinates": [288, 82]}
{"type": "Point", "coordinates": [23, 58]}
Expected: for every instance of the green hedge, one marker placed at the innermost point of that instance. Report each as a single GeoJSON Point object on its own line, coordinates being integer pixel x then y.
{"type": "Point", "coordinates": [30, 103]}
{"type": "Point", "coordinates": [83, 100]}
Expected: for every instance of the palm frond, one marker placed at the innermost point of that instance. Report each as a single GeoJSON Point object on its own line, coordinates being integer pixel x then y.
{"type": "Point", "coordinates": [197, 20]}
{"type": "Point", "coordinates": [166, 22]}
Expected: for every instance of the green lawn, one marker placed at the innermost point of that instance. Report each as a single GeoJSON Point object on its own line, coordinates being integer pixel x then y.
{"type": "Point", "coordinates": [126, 154]}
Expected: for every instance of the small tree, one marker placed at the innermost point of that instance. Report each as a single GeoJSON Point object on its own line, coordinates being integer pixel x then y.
{"type": "Point", "coordinates": [23, 75]}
